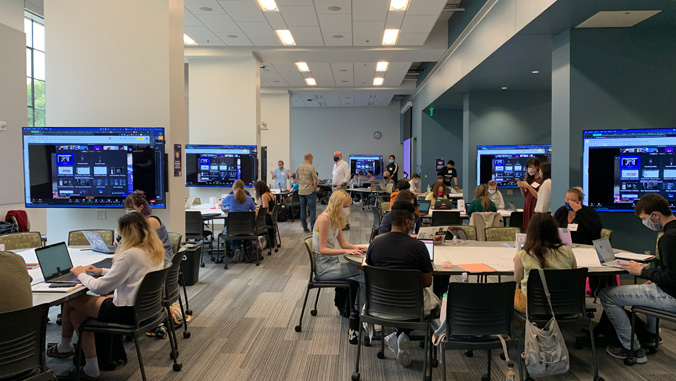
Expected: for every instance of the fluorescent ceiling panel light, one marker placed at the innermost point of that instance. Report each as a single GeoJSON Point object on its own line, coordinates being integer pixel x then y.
{"type": "Point", "coordinates": [187, 40]}
{"type": "Point", "coordinates": [302, 66]}
{"type": "Point", "coordinates": [378, 81]}
{"type": "Point", "coordinates": [617, 19]}
{"type": "Point", "coordinates": [310, 81]}
{"type": "Point", "coordinates": [390, 36]}
{"type": "Point", "coordinates": [268, 5]}
{"type": "Point", "coordinates": [382, 66]}
{"type": "Point", "coordinates": [504, 87]}
{"type": "Point", "coordinates": [398, 5]}
{"type": "Point", "coordinates": [285, 37]}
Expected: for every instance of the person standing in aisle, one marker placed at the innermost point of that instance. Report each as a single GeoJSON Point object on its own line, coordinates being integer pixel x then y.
{"type": "Point", "coordinates": [307, 190]}
{"type": "Point", "coordinates": [544, 203]}
{"type": "Point", "coordinates": [280, 175]}
{"type": "Point", "coordinates": [341, 176]}
{"type": "Point", "coordinates": [450, 175]}
{"type": "Point", "coordinates": [529, 189]}
{"type": "Point", "coordinates": [392, 168]}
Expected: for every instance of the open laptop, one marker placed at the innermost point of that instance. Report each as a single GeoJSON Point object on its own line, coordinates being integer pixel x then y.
{"type": "Point", "coordinates": [566, 239]}
{"type": "Point", "coordinates": [429, 244]}
{"type": "Point", "coordinates": [424, 207]}
{"type": "Point", "coordinates": [605, 253]}
{"type": "Point", "coordinates": [429, 232]}
{"type": "Point", "coordinates": [443, 203]}
{"type": "Point", "coordinates": [98, 245]}
{"type": "Point", "coordinates": [188, 202]}
{"type": "Point", "coordinates": [512, 206]}
{"type": "Point", "coordinates": [55, 263]}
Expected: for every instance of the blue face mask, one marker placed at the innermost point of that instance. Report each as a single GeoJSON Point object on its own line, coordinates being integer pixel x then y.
{"type": "Point", "coordinates": [491, 191]}
{"type": "Point", "coordinates": [391, 161]}
{"type": "Point", "coordinates": [567, 204]}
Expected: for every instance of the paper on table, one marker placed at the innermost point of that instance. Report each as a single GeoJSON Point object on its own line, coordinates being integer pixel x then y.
{"type": "Point", "coordinates": [634, 256]}
{"type": "Point", "coordinates": [44, 287]}
{"type": "Point", "coordinates": [477, 268]}
{"type": "Point", "coordinates": [501, 266]}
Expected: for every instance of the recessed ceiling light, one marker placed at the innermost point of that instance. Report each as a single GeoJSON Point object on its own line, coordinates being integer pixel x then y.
{"type": "Point", "coordinates": [504, 87]}
{"type": "Point", "coordinates": [342, 70]}
{"type": "Point", "coordinates": [302, 66]}
{"type": "Point", "coordinates": [344, 81]}
{"type": "Point", "coordinates": [278, 81]}
{"type": "Point", "coordinates": [334, 8]}
{"type": "Point", "coordinates": [310, 81]}
{"type": "Point", "coordinates": [535, 71]}
{"type": "Point", "coordinates": [390, 36]}
{"type": "Point", "coordinates": [187, 40]}
{"type": "Point", "coordinates": [337, 36]}
{"type": "Point", "coordinates": [398, 5]}
{"type": "Point", "coordinates": [382, 66]}
{"type": "Point", "coordinates": [268, 5]}
{"type": "Point", "coordinates": [233, 36]}
{"type": "Point", "coordinates": [285, 37]}
{"type": "Point", "coordinates": [378, 81]}
{"type": "Point", "coordinates": [206, 9]}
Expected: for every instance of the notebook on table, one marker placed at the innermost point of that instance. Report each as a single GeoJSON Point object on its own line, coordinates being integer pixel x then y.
{"type": "Point", "coordinates": [566, 239]}
{"type": "Point", "coordinates": [55, 263]}
{"type": "Point", "coordinates": [98, 245]}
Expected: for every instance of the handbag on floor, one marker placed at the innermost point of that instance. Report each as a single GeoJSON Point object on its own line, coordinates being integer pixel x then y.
{"type": "Point", "coordinates": [545, 352]}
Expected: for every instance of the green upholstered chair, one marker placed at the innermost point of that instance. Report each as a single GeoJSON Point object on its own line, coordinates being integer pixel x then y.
{"type": "Point", "coordinates": [607, 233]}
{"type": "Point", "coordinates": [470, 231]}
{"type": "Point", "coordinates": [24, 240]}
{"type": "Point", "coordinates": [175, 240]}
{"type": "Point", "coordinates": [76, 238]}
{"type": "Point", "coordinates": [502, 234]}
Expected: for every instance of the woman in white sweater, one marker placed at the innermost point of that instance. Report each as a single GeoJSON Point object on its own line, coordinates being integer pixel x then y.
{"type": "Point", "coordinates": [141, 252]}
{"type": "Point", "coordinates": [544, 203]}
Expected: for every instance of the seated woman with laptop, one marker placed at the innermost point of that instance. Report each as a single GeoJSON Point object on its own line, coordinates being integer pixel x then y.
{"type": "Point", "coordinates": [481, 202]}
{"type": "Point", "coordinates": [582, 221]}
{"type": "Point", "coordinates": [386, 223]}
{"type": "Point", "coordinates": [437, 192]}
{"type": "Point", "coordinates": [140, 252]}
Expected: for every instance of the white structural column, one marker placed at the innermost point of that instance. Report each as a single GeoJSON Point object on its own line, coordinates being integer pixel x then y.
{"type": "Point", "coordinates": [276, 129]}
{"type": "Point", "coordinates": [115, 64]}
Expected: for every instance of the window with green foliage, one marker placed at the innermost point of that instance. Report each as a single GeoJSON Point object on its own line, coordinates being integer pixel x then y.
{"type": "Point", "coordinates": [35, 69]}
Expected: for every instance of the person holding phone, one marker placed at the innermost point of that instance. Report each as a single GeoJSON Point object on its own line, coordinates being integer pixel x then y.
{"type": "Point", "coordinates": [529, 189]}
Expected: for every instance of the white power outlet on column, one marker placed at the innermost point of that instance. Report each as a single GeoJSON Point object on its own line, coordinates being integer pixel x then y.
{"type": "Point", "coordinates": [100, 214]}
{"type": "Point", "coordinates": [3, 125]}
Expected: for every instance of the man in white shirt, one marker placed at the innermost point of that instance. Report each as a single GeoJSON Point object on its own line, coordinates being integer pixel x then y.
{"type": "Point", "coordinates": [341, 172]}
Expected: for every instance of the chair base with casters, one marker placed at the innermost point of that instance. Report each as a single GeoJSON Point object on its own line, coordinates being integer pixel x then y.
{"type": "Point", "coordinates": [658, 315]}
{"type": "Point", "coordinates": [275, 229]}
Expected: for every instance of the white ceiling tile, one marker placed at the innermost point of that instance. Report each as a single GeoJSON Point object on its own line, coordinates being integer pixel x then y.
{"type": "Point", "coordinates": [297, 101]}
{"type": "Point", "coordinates": [364, 74]}
{"type": "Point", "coordinates": [276, 20]}
{"type": "Point", "coordinates": [394, 20]}
{"type": "Point", "coordinates": [367, 41]}
{"type": "Point", "coordinates": [219, 23]}
{"type": "Point", "coordinates": [243, 10]}
{"type": "Point", "coordinates": [322, 74]}
{"type": "Point", "coordinates": [330, 40]}
{"type": "Point", "coordinates": [361, 100]}
{"type": "Point", "coordinates": [343, 74]}
{"type": "Point", "coordinates": [396, 71]}
{"type": "Point", "coordinates": [346, 100]}
{"type": "Point", "coordinates": [257, 29]}
{"type": "Point", "coordinates": [418, 24]}
{"type": "Point", "coordinates": [299, 16]}
{"type": "Point", "coordinates": [190, 20]}
{"type": "Point", "coordinates": [272, 77]}
{"type": "Point", "coordinates": [412, 39]}
{"type": "Point", "coordinates": [323, 5]}
{"type": "Point", "coordinates": [293, 2]}
{"type": "Point", "coordinates": [290, 73]}
{"type": "Point", "coordinates": [235, 39]}
{"type": "Point", "coordinates": [264, 83]}
{"type": "Point", "coordinates": [370, 10]}
{"type": "Point", "coordinates": [335, 23]}
{"type": "Point", "coordinates": [425, 8]}
{"type": "Point", "coordinates": [332, 100]}
{"type": "Point", "coordinates": [200, 34]}
{"type": "Point", "coordinates": [368, 28]}
{"type": "Point", "coordinates": [195, 5]}
{"type": "Point", "coordinates": [265, 41]}
{"type": "Point", "coordinates": [384, 99]}
{"type": "Point", "coordinates": [307, 35]}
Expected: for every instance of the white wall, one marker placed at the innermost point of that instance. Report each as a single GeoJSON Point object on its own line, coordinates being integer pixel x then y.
{"type": "Point", "coordinates": [322, 131]}
{"type": "Point", "coordinates": [276, 112]}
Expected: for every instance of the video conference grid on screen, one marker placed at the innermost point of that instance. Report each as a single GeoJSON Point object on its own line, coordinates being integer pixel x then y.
{"type": "Point", "coordinates": [92, 167]}
{"type": "Point", "coordinates": [220, 165]}
{"type": "Point", "coordinates": [507, 164]}
{"type": "Point", "coordinates": [366, 163]}
{"type": "Point", "coordinates": [620, 166]}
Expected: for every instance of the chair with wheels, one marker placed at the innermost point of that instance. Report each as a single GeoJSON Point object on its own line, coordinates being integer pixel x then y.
{"type": "Point", "coordinates": [566, 288]}
{"type": "Point", "coordinates": [275, 228]}
{"type": "Point", "coordinates": [16, 241]}
{"type": "Point", "coordinates": [149, 312]}
{"type": "Point", "coordinates": [240, 226]}
{"type": "Point", "coordinates": [516, 219]}
{"type": "Point", "coordinates": [657, 314]}
{"type": "Point", "coordinates": [175, 240]}
{"type": "Point", "coordinates": [291, 202]}
{"type": "Point", "coordinates": [376, 223]}
{"type": "Point", "coordinates": [318, 284]}
{"type": "Point", "coordinates": [194, 230]}
{"type": "Point", "coordinates": [441, 218]}
{"type": "Point", "coordinates": [470, 231]}
{"type": "Point", "coordinates": [607, 233]}
{"type": "Point", "coordinates": [262, 227]}
{"type": "Point", "coordinates": [172, 294]}
{"type": "Point", "coordinates": [22, 344]}
{"type": "Point", "coordinates": [501, 234]}
{"type": "Point", "coordinates": [394, 298]}
{"type": "Point", "coordinates": [76, 237]}
{"type": "Point", "coordinates": [476, 314]}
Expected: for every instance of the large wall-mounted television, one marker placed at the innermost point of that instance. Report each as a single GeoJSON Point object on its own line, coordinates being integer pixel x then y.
{"type": "Point", "coordinates": [367, 163]}
{"type": "Point", "coordinates": [507, 164]}
{"type": "Point", "coordinates": [220, 165]}
{"type": "Point", "coordinates": [76, 167]}
{"type": "Point", "coordinates": [620, 166]}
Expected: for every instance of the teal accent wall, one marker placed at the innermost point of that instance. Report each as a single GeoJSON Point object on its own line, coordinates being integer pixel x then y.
{"type": "Point", "coordinates": [441, 137]}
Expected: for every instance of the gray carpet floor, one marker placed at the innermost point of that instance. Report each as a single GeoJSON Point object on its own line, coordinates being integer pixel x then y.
{"type": "Point", "coordinates": [243, 329]}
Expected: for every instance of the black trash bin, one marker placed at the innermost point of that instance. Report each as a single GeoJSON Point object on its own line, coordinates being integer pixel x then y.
{"type": "Point", "coordinates": [190, 265]}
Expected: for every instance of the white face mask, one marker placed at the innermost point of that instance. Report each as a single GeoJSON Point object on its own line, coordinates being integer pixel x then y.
{"type": "Point", "coordinates": [541, 175]}
{"type": "Point", "coordinates": [346, 211]}
{"type": "Point", "coordinates": [655, 226]}
{"type": "Point", "coordinates": [531, 171]}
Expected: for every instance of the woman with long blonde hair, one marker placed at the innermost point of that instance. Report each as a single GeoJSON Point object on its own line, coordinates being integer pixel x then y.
{"type": "Point", "coordinates": [140, 252]}
{"type": "Point", "coordinates": [329, 246]}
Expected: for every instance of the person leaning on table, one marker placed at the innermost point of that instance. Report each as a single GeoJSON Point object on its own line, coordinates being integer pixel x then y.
{"type": "Point", "coordinates": [660, 290]}
{"type": "Point", "coordinates": [15, 283]}
{"type": "Point", "coordinates": [582, 221]}
{"type": "Point", "coordinates": [543, 250]}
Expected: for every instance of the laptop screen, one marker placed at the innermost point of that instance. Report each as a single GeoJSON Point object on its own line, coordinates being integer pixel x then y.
{"type": "Point", "coordinates": [429, 244]}
{"type": "Point", "coordinates": [565, 236]}
{"type": "Point", "coordinates": [54, 260]}
{"type": "Point", "coordinates": [424, 206]}
{"type": "Point", "coordinates": [604, 250]}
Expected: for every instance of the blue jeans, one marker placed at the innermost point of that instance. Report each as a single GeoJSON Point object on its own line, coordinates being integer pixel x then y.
{"type": "Point", "coordinates": [308, 201]}
{"type": "Point", "coordinates": [614, 299]}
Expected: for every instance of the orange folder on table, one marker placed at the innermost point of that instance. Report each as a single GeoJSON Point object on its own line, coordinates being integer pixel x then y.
{"type": "Point", "coordinates": [477, 268]}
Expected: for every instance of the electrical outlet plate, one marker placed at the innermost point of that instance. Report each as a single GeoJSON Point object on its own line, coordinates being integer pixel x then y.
{"type": "Point", "coordinates": [3, 125]}
{"type": "Point", "coordinates": [100, 214]}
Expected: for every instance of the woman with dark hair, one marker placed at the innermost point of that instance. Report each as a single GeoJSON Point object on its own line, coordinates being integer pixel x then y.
{"type": "Point", "coordinates": [404, 195]}
{"type": "Point", "coordinates": [529, 189]}
{"type": "Point", "coordinates": [543, 250]}
{"type": "Point", "coordinates": [544, 202]}
{"type": "Point", "coordinates": [582, 221]}
{"type": "Point", "coordinates": [267, 199]}
{"type": "Point", "coordinates": [438, 191]}
{"type": "Point", "coordinates": [136, 202]}
{"type": "Point", "coordinates": [482, 202]}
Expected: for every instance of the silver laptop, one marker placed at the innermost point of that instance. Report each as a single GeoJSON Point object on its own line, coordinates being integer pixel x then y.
{"type": "Point", "coordinates": [55, 263]}
{"type": "Point", "coordinates": [98, 245]}
{"type": "Point", "coordinates": [605, 253]}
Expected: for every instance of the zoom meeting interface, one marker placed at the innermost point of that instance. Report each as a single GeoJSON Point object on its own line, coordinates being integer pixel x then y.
{"type": "Point", "coordinates": [507, 164]}
{"type": "Point", "coordinates": [92, 167]}
{"type": "Point", "coordinates": [220, 165]}
{"type": "Point", "coordinates": [366, 163]}
{"type": "Point", "coordinates": [620, 166]}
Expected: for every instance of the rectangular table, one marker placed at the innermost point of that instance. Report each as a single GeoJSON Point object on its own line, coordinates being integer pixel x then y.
{"type": "Point", "coordinates": [505, 213]}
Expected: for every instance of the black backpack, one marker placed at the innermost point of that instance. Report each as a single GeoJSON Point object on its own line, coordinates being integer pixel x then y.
{"type": "Point", "coordinates": [8, 227]}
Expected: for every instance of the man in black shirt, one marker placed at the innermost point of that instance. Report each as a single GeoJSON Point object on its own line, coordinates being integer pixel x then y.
{"type": "Point", "coordinates": [660, 290]}
{"type": "Point", "coordinates": [450, 174]}
{"type": "Point", "coordinates": [392, 168]}
{"type": "Point", "coordinates": [397, 250]}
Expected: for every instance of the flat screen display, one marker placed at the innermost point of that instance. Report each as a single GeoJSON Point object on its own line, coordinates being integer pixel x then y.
{"type": "Point", "coordinates": [220, 165]}
{"type": "Point", "coordinates": [75, 167]}
{"type": "Point", "coordinates": [620, 166]}
{"type": "Point", "coordinates": [507, 164]}
{"type": "Point", "coordinates": [367, 163]}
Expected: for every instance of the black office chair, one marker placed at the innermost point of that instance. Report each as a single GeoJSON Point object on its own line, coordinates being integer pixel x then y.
{"type": "Point", "coordinates": [22, 344]}
{"type": "Point", "coordinates": [172, 294]}
{"type": "Point", "coordinates": [648, 311]}
{"type": "Point", "coordinates": [394, 298]}
{"type": "Point", "coordinates": [475, 313]}
{"type": "Point", "coordinates": [240, 226]}
{"type": "Point", "coordinates": [176, 239]}
{"type": "Point", "coordinates": [262, 228]}
{"type": "Point", "coordinates": [446, 218]}
{"type": "Point", "coordinates": [149, 312]}
{"type": "Point", "coordinates": [275, 228]}
{"type": "Point", "coordinates": [566, 288]}
{"type": "Point", "coordinates": [194, 230]}
{"type": "Point", "coordinates": [516, 220]}
{"type": "Point", "coordinates": [319, 284]}
{"type": "Point", "coordinates": [376, 223]}
{"type": "Point", "coordinates": [291, 202]}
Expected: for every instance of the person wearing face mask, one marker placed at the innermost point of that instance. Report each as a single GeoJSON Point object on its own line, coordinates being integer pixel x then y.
{"type": "Point", "coordinates": [582, 221]}
{"type": "Point", "coordinates": [544, 202]}
{"type": "Point", "coordinates": [529, 189]}
{"type": "Point", "coordinates": [329, 245]}
{"type": "Point", "coordinates": [387, 178]}
{"type": "Point", "coordinates": [386, 223]}
{"type": "Point", "coordinates": [438, 191]}
{"type": "Point", "coordinates": [341, 172]}
{"type": "Point", "coordinates": [294, 183]}
{"type": "Point", "coordinates": [495, 195]}
{"type": "Point", "coordinates": [392, 168]}
{"type": "Point", "coordinates": [660, 290]}
{"type": "Point", "coordinates": [450, 174]}
{"type": "Point", "coordinates": [280, 175]}
{"type": "Point", "coordinates": [415, 184]}
{"type": "Point", "coordinates": [397, 250]}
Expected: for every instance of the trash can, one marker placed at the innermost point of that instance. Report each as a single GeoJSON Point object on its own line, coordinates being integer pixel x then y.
{"type": "Point", "coordinates": [190, 265]}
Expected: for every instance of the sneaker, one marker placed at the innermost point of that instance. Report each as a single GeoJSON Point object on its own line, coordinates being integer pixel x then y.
{"type": "Point", "coordinates": [403, 354]}
{"type": "Point", "coordinates": [651, 343]}
{"type": "Point", "coordinates": [622, 353]}
{"type": "Point", "coordinates": [306, 230]}
{"type": "Point", "coordinates": [353, 337]}
{"type": "Point", "coordinates": [392, 343]}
